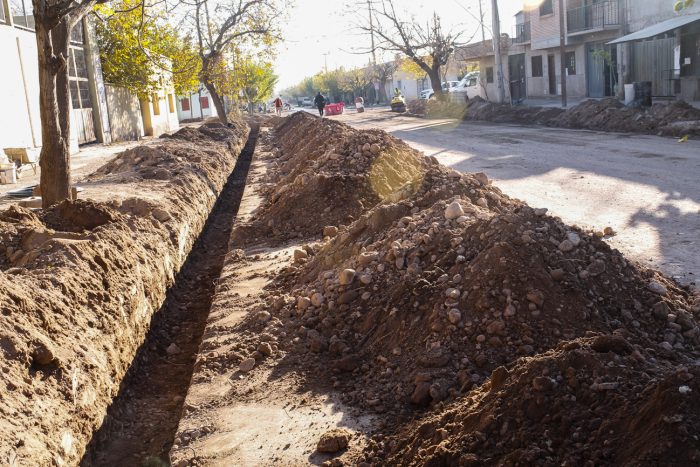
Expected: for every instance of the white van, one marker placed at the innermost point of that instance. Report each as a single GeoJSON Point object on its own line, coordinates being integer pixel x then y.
{"type": "Point", "coordinates": [470, 84]}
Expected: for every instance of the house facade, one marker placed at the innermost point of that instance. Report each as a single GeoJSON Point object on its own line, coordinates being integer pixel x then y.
{"type": "Point", "coordinates": [608, 43]}
{"type": "Point", "coordinates": [194, 106]}
{"type": "Point", "coordinates": [20, 125]}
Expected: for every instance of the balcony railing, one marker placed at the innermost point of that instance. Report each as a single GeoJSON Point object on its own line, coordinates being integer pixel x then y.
{"type": "Point", "coordinates": [595, 16]}
{"type": "Point", "coordinates": [522, 33]}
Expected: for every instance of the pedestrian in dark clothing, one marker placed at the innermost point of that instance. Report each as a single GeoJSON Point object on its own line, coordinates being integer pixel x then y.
{"type": "Point", "coordinates": [320, 102]}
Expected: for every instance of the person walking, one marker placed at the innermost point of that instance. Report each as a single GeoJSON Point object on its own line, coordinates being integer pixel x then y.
{"type": "Point", "coordinates": [320, 102]}
{"type": "Point", "coordinates": [278, 106]}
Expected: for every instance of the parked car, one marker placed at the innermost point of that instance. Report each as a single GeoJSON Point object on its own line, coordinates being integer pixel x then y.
{"type": "Point", "coordinates": [470, 84]}
{"type": "Point", "coordinates": [306, 102]}
{"type": "Point", "coordinates": [447, 86]}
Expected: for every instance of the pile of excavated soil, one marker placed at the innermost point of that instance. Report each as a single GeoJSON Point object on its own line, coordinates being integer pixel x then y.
{"type": "Point", "coordinates": [676, 118]}
{"type": "Point", "coordinates": [326, 173]}
{"type": "Point", "coordinates": [426, 301]}
{"type": "Point", "coordinates": [80, 281]}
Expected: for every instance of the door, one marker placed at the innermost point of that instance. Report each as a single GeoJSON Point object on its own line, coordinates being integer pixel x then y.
{"type": "Point", "coordinates": [653, 61]}
{"type": "Point", "coordinates": [516, 71]}
{"type": "Point", "coordinates": [552, 73]}
{"type": "Point", "coordinates": [601, 70]}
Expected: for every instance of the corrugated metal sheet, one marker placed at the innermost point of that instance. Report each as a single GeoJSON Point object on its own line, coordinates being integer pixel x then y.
{"type": "Point", "coordinates": [658, 28]}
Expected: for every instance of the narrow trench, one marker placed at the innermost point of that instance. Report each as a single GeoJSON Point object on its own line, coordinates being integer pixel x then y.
{"type": "Point", "coordinates": [142, 421]}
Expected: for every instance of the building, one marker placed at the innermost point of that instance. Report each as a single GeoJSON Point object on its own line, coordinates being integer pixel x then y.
{"type": "Point", "coordinates": [607, 43]}
{"type": "Point", "coordinates": [195, 106]}
{"type": "Point", "coordinates": [20, 125]}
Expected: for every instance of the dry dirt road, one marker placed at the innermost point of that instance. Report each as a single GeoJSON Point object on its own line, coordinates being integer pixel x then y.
{"type": "Point", "coordinates": [645, 187]}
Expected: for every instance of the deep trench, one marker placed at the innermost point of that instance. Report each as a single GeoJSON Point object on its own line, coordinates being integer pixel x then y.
{"type": "Point", "coordinates": [142, 421]}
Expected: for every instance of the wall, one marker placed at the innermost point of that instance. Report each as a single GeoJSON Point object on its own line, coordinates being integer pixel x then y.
{"type": "Point", "coordinates": [196, 110]}
{"type": "Point", "coordinates": [19, 118]}
{"type": "Point", "coordinates": [124, 112]}
{"type": "Point", "coordinates": [544, 29]}
{"type": "Point", "coordinates": [156, 112]}
{"type": "Point", "coordinates": [643, 13]}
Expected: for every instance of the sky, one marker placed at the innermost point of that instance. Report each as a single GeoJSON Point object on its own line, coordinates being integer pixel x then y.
{"type": "Point", "coordinates": [320, 32]}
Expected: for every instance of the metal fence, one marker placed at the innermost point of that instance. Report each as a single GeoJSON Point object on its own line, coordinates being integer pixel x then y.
{"type": "Point", "coordinates": [522, 33]}
{"type": "Point", "coordinates": [593, 16]}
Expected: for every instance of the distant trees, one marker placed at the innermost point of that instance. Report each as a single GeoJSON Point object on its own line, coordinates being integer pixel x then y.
{"type": "Point", "coordinates": [338, 84]}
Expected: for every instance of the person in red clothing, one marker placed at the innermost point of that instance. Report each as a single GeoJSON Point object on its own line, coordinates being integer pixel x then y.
{"type": "Point", "coordinates": [278, 106]}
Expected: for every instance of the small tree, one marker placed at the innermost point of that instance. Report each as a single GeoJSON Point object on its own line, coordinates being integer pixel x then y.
{"type": "Point", "coordinates": [383, 72]}
{"type": "Point", "coordinates": [220, 26]}
{"type": "Point", "coordinates": [257, 80]}
{"type": "Point", "coordinates": [428, 45]}
{"type": "Point", "coordinates": [54, 21]}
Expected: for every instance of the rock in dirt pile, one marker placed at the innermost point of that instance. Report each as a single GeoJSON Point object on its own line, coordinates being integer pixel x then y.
{"type": "Point", "coordinates": [484, 330]}
{"type": "Point", "coordinates": [80, 281]}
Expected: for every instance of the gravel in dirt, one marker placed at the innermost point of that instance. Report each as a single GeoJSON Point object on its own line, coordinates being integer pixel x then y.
{"type": "Point", "coordinates": [676, 118]}
{"type": "Point", "coordinates": [437, 297]}
{"type": "Point", "coordinates": [79, 283]}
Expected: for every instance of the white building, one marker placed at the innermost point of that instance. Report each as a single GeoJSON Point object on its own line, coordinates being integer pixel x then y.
{"type": "Point", "coordinates": [193, 106]}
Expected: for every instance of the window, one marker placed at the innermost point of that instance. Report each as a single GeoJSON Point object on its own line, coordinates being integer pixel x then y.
{"type": "Point", "coordinates": [489, 74]}
{"type": "Point", "coordinates": [570, 62]}
{"type": "Point", "coordinates": [537, 66]}
{"type": "Point", "coordinates": [204, 102]}
{"type": "Point", "coordinates": [156, 104]}
{"type": "Point", "coordinates": [185, 104]}
{"type": "Point", "coordinates": [2, 12]}
{"type": "Point", "coordinates": [547, 8]}
{"type": "Point", "coordinates": [77, 71]}
{"type": "Point", "coordinates": [171, 104]}
{"type": "Point", "coordinates": [22, 13]}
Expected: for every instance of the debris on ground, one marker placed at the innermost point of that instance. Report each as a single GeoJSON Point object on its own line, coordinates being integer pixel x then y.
{"type": "Point", "coordinates": [674, 118]}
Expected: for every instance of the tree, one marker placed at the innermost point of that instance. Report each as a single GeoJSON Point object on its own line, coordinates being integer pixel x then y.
{"type": "Point", "coordinates": [257, 80]}
{"type": "Point", "coordinates": [681, 4]}
{"type": "Point", "coordinates": [227, 25]}
{"type": "Point", "coordinates": [356, 81]}
{"type": "Point", "coordinates": [429, 45]}
{"type": "Point", "coordinates": [136, 45]}
{"type": "Point", "coordinates": [54, 21]}
{"type": "Point", "coordinates": [383, 72]}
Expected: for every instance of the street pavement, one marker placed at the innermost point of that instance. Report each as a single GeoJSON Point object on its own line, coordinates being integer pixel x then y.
{"type": "Point", "coordinates": [645, 187]}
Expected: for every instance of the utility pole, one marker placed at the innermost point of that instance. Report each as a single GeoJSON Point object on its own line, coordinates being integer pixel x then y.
{"type": "Point", "coordinates": [325, 61]}
{"type": "Point", "coordinates": [371, 32]}
{"type": "Point", "coordinates": [501, 96]}
{"type": "Point", "coordinates": [562, 52]}
{"type": "Point", "coordinates": [481, 21]}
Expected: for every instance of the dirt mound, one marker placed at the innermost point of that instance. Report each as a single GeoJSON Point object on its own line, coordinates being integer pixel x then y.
{"type": "Point", "coordinates": [79, 283]}
{"type": "Point", "coordinates": [424, 299]}
{"type": "Point", "coordinates": [581, 404]}
{"type": "Point", "coordinates": [326, 173]}
{"type": "Point", "coordinates": [676, 118]}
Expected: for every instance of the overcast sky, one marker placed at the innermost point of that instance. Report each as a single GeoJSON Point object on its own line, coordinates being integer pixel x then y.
{"type": "Point", "coordinates": [318, 27]}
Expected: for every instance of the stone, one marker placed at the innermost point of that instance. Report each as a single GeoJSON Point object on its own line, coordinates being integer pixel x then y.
{"type": "Point", "coordinates": [265, 348]}
{"type": "Point", "coordinates": [421, 394]}
{"type": "Point", "coordinates": [42, 354]}
{"type": "Point", "coordinates": [542, 383]}
{"type": "Point", "coordinates": [333, 440]}
{"type": "Point", "coordinates": [263, 316]}
{"type": "Point", "coordinates": [317, 299]}
{"type": "Point", "coordinates": [454, 316]}
{"type": "Point", "coordinates": [303, 303]}
{"type": "Point", "coordinates": [539, 212]}
{"type": "Point", "coordinates": [300, 255]}
{"type": "Point", "coordinates": [330, 231]}
{"type": "Point", "coordinates": [172, 349]}
{"type": "Point", "coordinates": [482, 202]}
{"type": "Point", "coordinates": [246, 365]}
{"type": "Point", "coordinates": [608, 231]}
{"type": "Point", "coordinates": [566, 245]}
{"type": "Point", "coordinates": [453, 210]}
{"type": "Point", "coordinates": [557, 274]}
{"type": "Point", "coordinates": [366, 279]}
{"type": "Point", "coordinates": [346, 276]}
{"type": "Point", "coordinates": [596, 268]}
{"type": "Point", "coordinates": [161, 214]}
{"type": "Point", "coordinates": [374, 148]}
{"type": "Point", "coordinates": [482, 178]}
{"type": "Point", "coordinates": [453, 294]}
{"type": "Point", "coordinates": [657, 288]}
{"type": "Point", "coordinates": [367, 257]}
{"type": "Point", "coordinates": [536, 297]}
{"type": "Point", "coordinates": [573, 238]}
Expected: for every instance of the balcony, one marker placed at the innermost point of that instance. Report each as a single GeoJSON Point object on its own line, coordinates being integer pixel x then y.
{"type": "Point", "coordinates": [522, 33]}
{"type": "Point", "coordinates": [593, 17]}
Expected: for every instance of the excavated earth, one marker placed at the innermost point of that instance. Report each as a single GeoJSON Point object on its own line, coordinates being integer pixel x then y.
{"type": "Point", "coordinates": [80, 282]}
{"type": "Point", "coordinates": [675, 118]}
{"type": "Point", "coordinates": [378, 308]}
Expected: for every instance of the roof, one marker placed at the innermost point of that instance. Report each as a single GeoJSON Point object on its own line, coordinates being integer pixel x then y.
{"type": "Point", "coordinates": [658, 28]}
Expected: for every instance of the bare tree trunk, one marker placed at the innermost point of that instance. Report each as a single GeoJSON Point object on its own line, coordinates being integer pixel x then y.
{"type": "Point", "coordinates": [218, 102]}
{"type": "Point", "coordinates": [55, 107]}
{"type": "Point", "coordinates": [382, 91]}
{"type": "Point", "coordinates": [435, 83]}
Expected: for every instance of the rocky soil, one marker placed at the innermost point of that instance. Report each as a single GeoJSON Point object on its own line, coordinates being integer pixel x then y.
{"type": "Point", "coordinates": [482, 330]}
{"type": "Point", "coordinates": [79, 283]}
{"type": "Point", "coordinates": [676, 118]}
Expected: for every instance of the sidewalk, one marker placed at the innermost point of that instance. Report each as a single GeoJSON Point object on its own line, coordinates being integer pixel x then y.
{"type": "Point", "coordinates": [90, 157]}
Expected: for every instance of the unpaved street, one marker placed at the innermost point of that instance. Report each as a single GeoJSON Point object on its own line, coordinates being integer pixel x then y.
{"type": "Point", "coordinates": [644, 187]}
